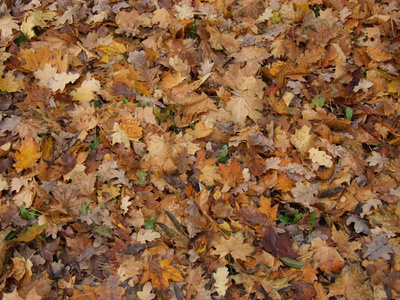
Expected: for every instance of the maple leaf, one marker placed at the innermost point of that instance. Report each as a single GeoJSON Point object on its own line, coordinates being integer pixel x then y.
{"type": "Point", "coordinates": [30, 233]}
{"type": "Point", "coordinates": [87, 90]}
{"type": "Point", "coordinates": [160, 273]}
{"type": "Point", "coordinates": [119, 136]}
{"type": "Point", "coordinates": [232, 175]}
{"type": "Point", "coordinates": [352, 284]}
{"type": "Point", "coordinates": [325, 257]}
{"type": "Point", "coordinates": [243, 106]}
{"type": "Point", "coordinates": [28, 154]}
{"type": "Point", "coordinates": [347, 249]}
{"type": "Point", "coordinates": [235, 246]}
{"type": "Point", "coordinates": [130, 268]}
{"type": "Point", "coordinates": [209, 175]}
{"type": "Point", "coordinates": [8, 83]}
{"type": "Point", "coordinates": [45, 74]}
{"type": "Point", "coordinates": [7, 24]}
{"type": "Point", "coordinates": [223, 40]}
{"type": "Point", "coordinates": [266, 208]}
{"type": "Point", "coordinates": [109, 170]}
{"type": "Point", "coordinates": [35, 19]}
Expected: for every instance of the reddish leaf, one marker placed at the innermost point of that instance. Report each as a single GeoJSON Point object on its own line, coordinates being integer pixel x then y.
{"type": "Point", "coordinates": [278, 245]}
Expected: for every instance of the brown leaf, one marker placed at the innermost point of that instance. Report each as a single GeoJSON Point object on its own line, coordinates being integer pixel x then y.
{"type": "Point", "coordinates": [110, 290]}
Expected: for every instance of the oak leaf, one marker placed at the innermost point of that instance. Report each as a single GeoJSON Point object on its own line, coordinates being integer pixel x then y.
{"type": "Point", "coordinates": [185, 10]}
{"type": "Point", "coordinates": [129, 22]}
{"type": "Point", "coordinates": [377, 159]}
{"type": "Point", "coordinates": [160, 273]}
{"type": "Point", "coordinates": [305, 193]}
{"type": "Point", "coordinates": [320, 158]}
{"type": "Point", "coordinates": [59, 81]}
{"type": "Point", "coordinates": [28, 154]}
{"type": "Point", "coordinates": [379, 247]}
{"type": "Point", "coordinates": [221, 279]}
{"type": "Point", "coordinates": [146, 293]}
{"type": "Point", "coordinates": [162, 17]}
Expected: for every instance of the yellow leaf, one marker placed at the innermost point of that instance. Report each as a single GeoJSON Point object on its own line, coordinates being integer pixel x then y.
{"type": "Point", "coordinates": [320, 158]}
{"type": "Point", "coordinates": [36, 19]}
{"type": "Point", "coordinates": [8, 83]}
{"type": "Point", "coordinates": [87, 89]}
{"type": "Point", "coordinates": [302, 139]}
{"type": "Point", "coordinates": [221, 279]}
{"type": "Point", "coordinates": [28, 154]}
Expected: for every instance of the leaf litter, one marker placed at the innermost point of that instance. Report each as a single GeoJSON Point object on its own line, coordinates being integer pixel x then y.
{"type": "Point", "coordinates": [199, 150]}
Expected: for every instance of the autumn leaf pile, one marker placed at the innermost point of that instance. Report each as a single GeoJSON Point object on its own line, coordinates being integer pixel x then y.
{"type": "Point", "coordinates": [199, 149]}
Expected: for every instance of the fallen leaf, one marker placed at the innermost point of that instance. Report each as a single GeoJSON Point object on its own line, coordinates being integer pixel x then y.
{"type": "Point", "coordinates": [28, 154]}
{"type": "Point", "coordinates": [278, 245]}
{"type": "Point", "coordinates": [221, 280]}
{"type": "Point", "coordinates": [160, 273]}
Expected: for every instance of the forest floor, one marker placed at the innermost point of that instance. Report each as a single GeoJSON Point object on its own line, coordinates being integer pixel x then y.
{"type": "Point", "coordinates": [221, 149]}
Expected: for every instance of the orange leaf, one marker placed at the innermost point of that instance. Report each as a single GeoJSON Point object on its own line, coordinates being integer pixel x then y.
{"type": "Point", "coordinates": [231, 175]}
{"type": "Point", "coordinates": [160, 273]}
{"type": "Point", "coordinates": [131, 128]}
{"type": "Point", "coordinates": [309, 274]}
{"type": "Point", "coordinates": [30, 234]}
{"type": "Point", "coordinates": [265, 207]}
{"type": "Point", "coordinates": [28, 154]}
{"type": "Point", "coordinates": [332, 266]}
{"type": "Point", "coordinates": [284, 184]}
